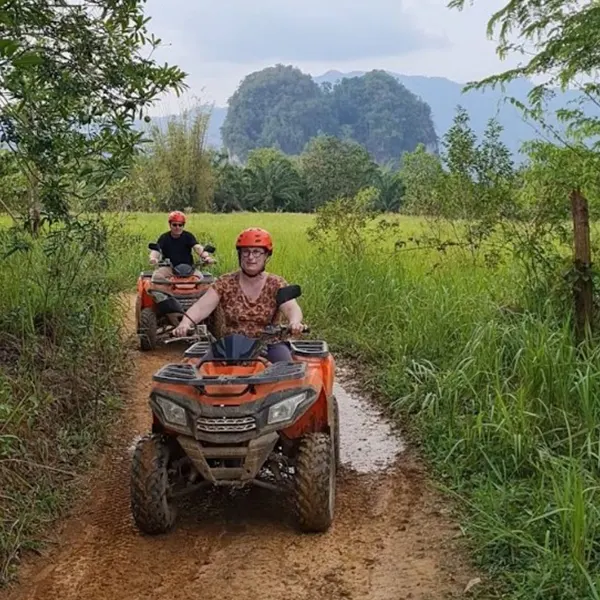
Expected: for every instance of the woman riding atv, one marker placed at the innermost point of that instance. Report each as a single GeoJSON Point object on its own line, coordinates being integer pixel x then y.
{"type": "Point", "coordinates": [247, 297]}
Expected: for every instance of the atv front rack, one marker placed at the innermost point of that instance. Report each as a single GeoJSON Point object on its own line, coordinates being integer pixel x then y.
{"type": "Point", "coordinates": [198, 349]}
{"type": "Point", "coordinates": [187, 375]}
{"type": "Point", "coordinates": [308, 348]}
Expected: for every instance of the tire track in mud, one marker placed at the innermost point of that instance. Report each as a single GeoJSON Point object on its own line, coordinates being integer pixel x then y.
{"type": "Point", "coordinates": [389, 540]}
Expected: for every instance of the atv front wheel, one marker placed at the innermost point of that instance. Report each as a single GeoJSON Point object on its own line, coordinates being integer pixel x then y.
{"type": "Point", "coordinates": [149, 486]}
{"type": "Point", "coordinates": [148, 329]}
{"type": "Point", "coordinates": [315, 482]}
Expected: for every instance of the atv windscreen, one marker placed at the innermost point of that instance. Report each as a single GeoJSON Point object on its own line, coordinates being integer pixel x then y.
{"type": "Point", "coordinates": [235, 347]}
{"type": "Point", "coordinates": [184, 270]}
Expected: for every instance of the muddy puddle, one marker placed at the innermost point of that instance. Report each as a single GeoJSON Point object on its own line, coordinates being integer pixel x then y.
{"type": "Point", "coordinates": [367, 442]}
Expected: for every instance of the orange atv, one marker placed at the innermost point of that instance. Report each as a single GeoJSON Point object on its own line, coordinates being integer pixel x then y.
{"type": "Point", "coordinates": [184, 285]}
{"type": "Point", "coordinates": [237, 420]}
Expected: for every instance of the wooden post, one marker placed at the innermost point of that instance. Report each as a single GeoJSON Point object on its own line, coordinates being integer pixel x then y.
{"type": "Point", "coordinates": [583, 286]}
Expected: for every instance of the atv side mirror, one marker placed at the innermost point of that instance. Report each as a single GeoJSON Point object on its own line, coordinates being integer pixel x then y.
{"type": "Point", "coordinates": [209, 248]}
{"type": "Point", "coordinates": [160, 295]}
{"type": "Point", "coordinates": [287, 293]}
{"type": "Point", "coordinates": [169, 305]}
{"type": "Point", "coordinates": [154, 246]}
{"type": "Point", "coordinates": [165, 302]}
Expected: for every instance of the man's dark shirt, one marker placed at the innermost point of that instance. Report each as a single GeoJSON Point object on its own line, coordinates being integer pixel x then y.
{"type": "Point", "coordinates": [178, 250]}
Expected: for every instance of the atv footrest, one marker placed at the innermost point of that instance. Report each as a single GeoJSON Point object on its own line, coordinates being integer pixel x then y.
{"type": "Point", "coordinates": [184, 373]}
{"type": "Point", "coordinates": [314, 348]}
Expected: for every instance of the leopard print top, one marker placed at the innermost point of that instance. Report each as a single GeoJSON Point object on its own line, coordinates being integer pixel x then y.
{"type": "Point", "coordinates": [238, 313]}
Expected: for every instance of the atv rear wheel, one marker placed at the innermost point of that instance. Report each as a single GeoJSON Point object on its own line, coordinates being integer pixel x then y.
{"type": "Point", "coordinates": [315, 482]}
{"type": "Point", "coordinates": [336, 434]}
{"type": "Point", "coordinates": [149, 486]}
{"type": "Point", "coordinates": [148, 329]}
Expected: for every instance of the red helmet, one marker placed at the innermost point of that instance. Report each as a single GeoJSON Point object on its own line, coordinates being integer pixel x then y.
{"type": "Point", "coordinates": [176, 217]}
{"type": "Point", "coordinates": [254, 237]}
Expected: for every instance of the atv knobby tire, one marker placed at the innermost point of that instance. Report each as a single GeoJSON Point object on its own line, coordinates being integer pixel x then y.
{"type": "Point", "coordinates": [336, 433]}
{"type": "Point", "coordinates": [152, 511]}
{"type": "Point", "coordinates": [148, 329]}
{"type": "Point", "coordinates": [315, 482]}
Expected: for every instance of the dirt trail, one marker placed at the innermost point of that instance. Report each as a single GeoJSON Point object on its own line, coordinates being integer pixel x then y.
{"type": "Point", "coordinates": [389, 541]}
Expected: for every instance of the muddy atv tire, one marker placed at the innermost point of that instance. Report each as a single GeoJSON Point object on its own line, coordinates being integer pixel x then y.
{"type": "Point", "coordinates": [148, 329]}
{"type": "Point", "coordinates": [314, 493]}
{"type": "Point", "coordinates": [336, 434]}
{"type": "Point", "coordinates": [151, 508]}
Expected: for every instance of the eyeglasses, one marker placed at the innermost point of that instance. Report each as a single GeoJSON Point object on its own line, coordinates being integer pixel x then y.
{"type": "Point", "coordinates": [256, 252]}
{"type": "Point", "coordinates": [176, 224]}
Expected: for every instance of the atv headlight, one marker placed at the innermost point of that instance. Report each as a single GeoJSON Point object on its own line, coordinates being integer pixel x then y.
{"type": "Point", "coordinates": [173, 413]}
{"type": "Point", "coordinates": [284, 410]}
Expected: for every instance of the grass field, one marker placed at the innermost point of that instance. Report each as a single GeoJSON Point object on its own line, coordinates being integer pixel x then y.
{"type": "Point", "coordinates": [505, 407]}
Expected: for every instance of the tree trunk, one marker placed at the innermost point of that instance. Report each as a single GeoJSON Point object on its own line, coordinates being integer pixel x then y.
{"type": "Point", "coordinates": [583, 285]}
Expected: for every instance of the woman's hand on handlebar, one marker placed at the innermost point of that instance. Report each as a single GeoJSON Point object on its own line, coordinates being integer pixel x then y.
{"type": "Point", "coordinates": [182, 329]}
{"type": "Point", "coordinates": [296, 328]}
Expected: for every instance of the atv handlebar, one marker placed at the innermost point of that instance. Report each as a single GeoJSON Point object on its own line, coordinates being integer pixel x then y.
{"type": "Point", "coordinates": [270, 331]}
{"type": "Point", "coordinates": [200, 263]}
{"type": "Point", "coordinates": [190, 338]}
{"type": "Point", "coordinates": [200, 332]}
{"type": "Point", "coordinates": [165, 262]}
{"type": "Point", "coordinates": [273, 330]}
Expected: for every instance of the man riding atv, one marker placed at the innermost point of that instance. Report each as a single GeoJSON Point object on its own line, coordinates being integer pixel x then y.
{"type": "Point", "coordinates": [248, 297]}
{"type": "Point", "coordinates": [177, 273]}
{"type": "Point", "coordinates": [177, 245]}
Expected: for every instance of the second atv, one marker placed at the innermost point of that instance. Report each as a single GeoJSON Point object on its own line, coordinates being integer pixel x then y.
{"type": "Point", "coordinates": [185, 285]}
{"type": "Point", "coordinates": [237, 420]}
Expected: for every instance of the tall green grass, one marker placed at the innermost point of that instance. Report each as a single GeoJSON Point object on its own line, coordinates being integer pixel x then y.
{"type": "Point", "coordinates": [506, 407]}
{"type": "Point", "coordinates": [62, 364]}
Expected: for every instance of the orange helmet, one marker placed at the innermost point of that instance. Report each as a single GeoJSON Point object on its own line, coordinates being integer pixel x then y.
{"type": "Point", "coordinates": [176, 217]}
{"type": "Point", "coordinates": [254, 237]}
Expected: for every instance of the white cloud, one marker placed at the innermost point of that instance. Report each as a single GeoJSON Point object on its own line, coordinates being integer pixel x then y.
{"type": "Point", "coordinates": [217, 44]}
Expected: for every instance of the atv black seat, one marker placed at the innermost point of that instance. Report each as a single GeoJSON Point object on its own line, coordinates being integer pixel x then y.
{"type": "Point", "coordinates": [186, 374]}
{"type": "Point", "coordinates": [198, 349]}
{"type": "Point", "coordinates": [310, 348]}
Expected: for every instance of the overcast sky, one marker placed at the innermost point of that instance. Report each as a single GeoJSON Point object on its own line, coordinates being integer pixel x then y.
{"type": "Point", "coordinates": [218, 42]}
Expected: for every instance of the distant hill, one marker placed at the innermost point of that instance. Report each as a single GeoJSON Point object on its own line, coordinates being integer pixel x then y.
{"type": "Point", "coordinates": [443, 95]}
